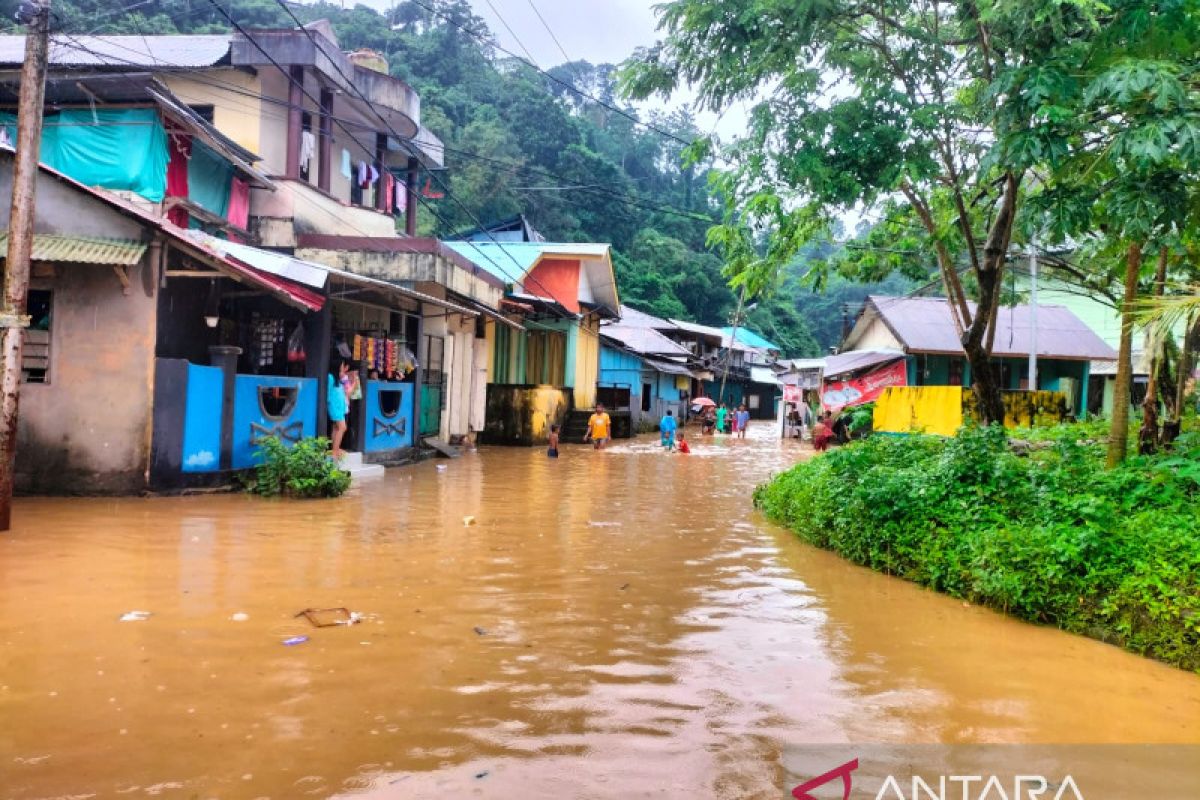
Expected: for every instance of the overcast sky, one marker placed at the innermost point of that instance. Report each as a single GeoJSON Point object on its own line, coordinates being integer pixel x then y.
{"type": "Point", "coordinates": [598, 31]}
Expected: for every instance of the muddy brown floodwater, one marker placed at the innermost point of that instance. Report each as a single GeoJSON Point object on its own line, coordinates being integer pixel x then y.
{"type": "Point", "coordinates": [613, 625]}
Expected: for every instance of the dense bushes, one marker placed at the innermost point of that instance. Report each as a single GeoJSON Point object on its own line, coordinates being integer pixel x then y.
{"type": "Point", "coordinates": [305, 469]}
{"type": "Point", "coordinates": [1050, 537]}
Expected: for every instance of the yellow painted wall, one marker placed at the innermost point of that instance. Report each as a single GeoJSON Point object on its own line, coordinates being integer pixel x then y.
{"type": "Point", "coordinates": [238, 116]}
{"type": "Point", "coordinates": [587, 361]}
{"type": "Point", "coordinates": [920, 409]}
{"type": "Point", "coordinates": [489, 330]}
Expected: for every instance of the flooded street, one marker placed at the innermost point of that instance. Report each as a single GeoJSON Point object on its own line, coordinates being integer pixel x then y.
{"type": "Point", "coordinates": [613, 625]}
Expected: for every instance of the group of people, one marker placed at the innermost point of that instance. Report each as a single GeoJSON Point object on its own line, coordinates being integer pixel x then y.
{"type": "Point", "coordinates": [826, 429]}
{"type": "Point", "coordinates": [723, 419]}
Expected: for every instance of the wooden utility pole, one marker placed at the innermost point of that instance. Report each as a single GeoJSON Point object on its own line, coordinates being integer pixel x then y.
{"type": "Point", "coordinates": [13, 320]}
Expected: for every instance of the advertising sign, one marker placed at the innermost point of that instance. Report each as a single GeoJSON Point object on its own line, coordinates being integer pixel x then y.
{"type": "Point", "coordinates": [865, 388]}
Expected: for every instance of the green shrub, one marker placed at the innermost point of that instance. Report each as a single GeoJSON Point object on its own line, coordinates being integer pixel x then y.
{"type": "Point", "coordinates": [305, 469]}
{"type": "Point", "coordinates": [1051, 537]}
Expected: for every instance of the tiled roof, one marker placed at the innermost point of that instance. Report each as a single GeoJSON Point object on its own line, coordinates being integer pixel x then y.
{"type": "Point", "coordinates": [82, 249]}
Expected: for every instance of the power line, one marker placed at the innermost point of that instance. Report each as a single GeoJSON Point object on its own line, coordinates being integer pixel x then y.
{"type": "Point", "coordinates": [546, 25]}
{"type": "Point", "coordinates": [445, 189]}
{"type": "Point", "coordinates": [511, 32]}
{"type": "Point", "coordinates": [566, 84]}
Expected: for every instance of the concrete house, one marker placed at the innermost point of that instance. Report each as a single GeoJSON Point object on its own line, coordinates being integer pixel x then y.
{"type": "Point", "coordinates": [920, 332]}
{"type": "Point", "coordinates": [547, 364]}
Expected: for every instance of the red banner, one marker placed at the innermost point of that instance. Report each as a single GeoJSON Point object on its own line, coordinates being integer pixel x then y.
{"type": "Point", "coordinates": [865, 388]}
{"type": "Point", "coordinates": [792, 394]}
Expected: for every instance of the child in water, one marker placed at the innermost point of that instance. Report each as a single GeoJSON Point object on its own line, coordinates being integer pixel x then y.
{"type": "Point", "coordinates": [552, 450]}
{"type": "Point", "coordinates": [682, 444]}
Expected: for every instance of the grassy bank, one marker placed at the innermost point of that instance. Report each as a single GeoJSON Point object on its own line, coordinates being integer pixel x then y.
{"type": "Point", "coordinates": [1048, 536]}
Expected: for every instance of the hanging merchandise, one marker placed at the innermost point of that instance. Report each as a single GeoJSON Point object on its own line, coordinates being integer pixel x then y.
{"type": "Point", "coordinates": [267, 334]}
{"type": "Point", "coordinates": [295, 350]}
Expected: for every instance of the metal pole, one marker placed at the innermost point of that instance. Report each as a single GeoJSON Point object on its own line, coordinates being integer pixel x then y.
{"type": "Point", "coordinates": [13, 319]}
{"type": "Point", "coordinates": [737, 316]}
{"type": "Point", "coordinates": [1033, 304]}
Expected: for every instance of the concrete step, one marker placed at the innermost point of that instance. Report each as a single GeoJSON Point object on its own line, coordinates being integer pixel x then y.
{"type": "Point", "coordinates": [353, 463]}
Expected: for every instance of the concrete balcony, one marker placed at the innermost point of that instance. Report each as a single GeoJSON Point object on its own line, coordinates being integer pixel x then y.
{"type": "Point", "coordinates": [297, 208]}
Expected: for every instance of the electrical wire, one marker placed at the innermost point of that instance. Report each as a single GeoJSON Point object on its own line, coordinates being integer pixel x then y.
{"type": "Point", "coordinates": [521, 276]}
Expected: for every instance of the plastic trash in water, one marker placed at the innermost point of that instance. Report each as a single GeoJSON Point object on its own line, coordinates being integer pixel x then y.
{"type": "Point", "coordinates": [468, 521]}
{"type": "Point", "coordinates": [294, 640]}
{"type": "Point", "coordinates": [441, 467]}
{"type": "Point", "coordinates": [135, 616]}
{"type": "Point", "coordinates": [240, 616]}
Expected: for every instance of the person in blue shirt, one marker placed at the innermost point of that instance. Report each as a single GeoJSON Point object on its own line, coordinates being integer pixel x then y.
{"type": "Point", "coordinates": [667, 429]}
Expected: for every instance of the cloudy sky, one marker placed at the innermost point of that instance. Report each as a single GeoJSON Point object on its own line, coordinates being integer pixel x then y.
{"type": "Point", "coordinates": [593, 30]}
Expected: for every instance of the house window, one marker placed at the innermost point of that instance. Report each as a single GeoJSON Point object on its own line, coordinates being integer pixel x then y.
{"type": "Point", "coordinates": [35, 355]}
{"type": "Point", "coordinates": [753, 402]}
{"type": "Point", "coordinates": [954, 376]}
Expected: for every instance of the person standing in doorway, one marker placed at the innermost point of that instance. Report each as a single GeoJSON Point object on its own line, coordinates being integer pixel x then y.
{"type": "Point", "coordinates": [722, 413]}
{"type": "Point", "coordinates": [743, 421]}
{"type": "Point", "coordinates": [337, 402]}
{"type": "Point", "coordinates": [599, 428]}
{"type": "Point", "coordinates": [667, 429]}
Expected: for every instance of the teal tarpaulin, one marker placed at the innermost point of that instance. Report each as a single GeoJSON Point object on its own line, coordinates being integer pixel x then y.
{"type": "Point", "coordinates": [209, 179]}
{"type": "Point", "coordinates": [123, 149]}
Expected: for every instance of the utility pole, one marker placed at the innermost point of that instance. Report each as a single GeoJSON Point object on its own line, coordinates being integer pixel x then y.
{"type": "Point", "coordinates": [13, 319]}
{"type": "Point", "coordinates": [1033, 317]}
{"type": "Point", "coordinates": [737, 318]}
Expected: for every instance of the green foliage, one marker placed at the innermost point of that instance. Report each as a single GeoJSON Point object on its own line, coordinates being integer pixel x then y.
{"type": "Point", "coordinates": [304, 469]}
{"type": "Point", "coordinates": [1051, 537]}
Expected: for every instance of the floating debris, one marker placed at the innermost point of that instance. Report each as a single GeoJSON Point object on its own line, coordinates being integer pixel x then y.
{"type": "Point", "coordinates": [240, 616]}
{"type": "Point", "coordinates": [135, 616]}
{"type": "Point", "coordinates": [468, 521]}
{"type": "Point", "coordinates": [330, 617]}
{"type": "Point", "coordinates": [294, 640]}
{"type": "Point", "coordinates": [480, 631]}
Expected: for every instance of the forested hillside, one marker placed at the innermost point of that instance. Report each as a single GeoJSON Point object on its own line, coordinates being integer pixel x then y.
{"type": "Point", "coordinates": [518, 141]}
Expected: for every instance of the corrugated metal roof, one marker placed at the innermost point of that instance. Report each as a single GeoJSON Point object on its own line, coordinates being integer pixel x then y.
{"type": "Point", "coordinates": [703, 330]}
{"type": "Point", "coordinates": [632, 318]}
{"type": "Point", "coordinates": [748, 337]}
{"type": "Point", "coordinates": [644, 341]}
{"type": "Point", "coordinates": [924, 325]}
{"type": "Point", "coordinates": [512, 261]}
{"type": "Point", "coordinates": [162, 52]}
{"type": "Point", "coordinates": [668, 367]}
{"type": "Point", "coordinates": [843, 363]}
{"type": "Point", "coordinates": [83, 249]}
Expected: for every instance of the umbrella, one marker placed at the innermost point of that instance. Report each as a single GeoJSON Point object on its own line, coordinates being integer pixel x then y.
{"type": "Point", "coordinates": [702, 401]}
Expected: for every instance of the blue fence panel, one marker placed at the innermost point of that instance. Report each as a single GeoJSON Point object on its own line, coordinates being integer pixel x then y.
{"type": "Point", "coordinates": [202, 419]}
{"type": "Point", "coordinates": [389, 415]}
{"type": "Point", "coordinates": [265, 405]}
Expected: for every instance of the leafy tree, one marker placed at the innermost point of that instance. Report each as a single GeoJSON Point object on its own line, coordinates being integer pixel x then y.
{"type": "Point", "coordinates": [862, 105]}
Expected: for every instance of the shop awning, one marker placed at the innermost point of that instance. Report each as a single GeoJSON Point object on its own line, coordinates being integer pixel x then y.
{"type": "Point", "coordinates": [668, 367]}
{"type": "Point", "coordinates": [384, 287]}
{"type": "Point", "coordinates": [843, 363]}
{"type": "Point", "coordinates": [83, 249]}
{"type": "Point", "coordinates": [494, 314]}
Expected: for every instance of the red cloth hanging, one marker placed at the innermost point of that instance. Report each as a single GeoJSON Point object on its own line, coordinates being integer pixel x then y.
{"type": "Point", "coordinates": [179, 146]}
{"type": "Point", "coordinates": [389, 191]}
{"type": "Point", "coordinates": [239, 203]}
